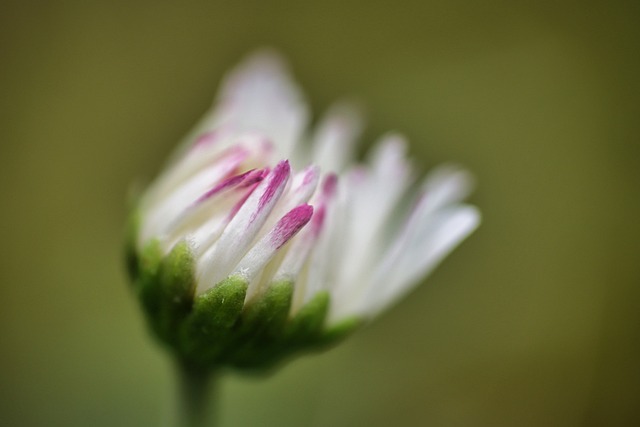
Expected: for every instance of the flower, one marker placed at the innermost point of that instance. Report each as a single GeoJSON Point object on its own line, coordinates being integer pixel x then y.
{"type": "Point", "coordinates": [261, 239]}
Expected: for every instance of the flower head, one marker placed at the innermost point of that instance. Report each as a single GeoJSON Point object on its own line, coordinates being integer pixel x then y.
{"type": "Point", "coordinates": [261, 238]}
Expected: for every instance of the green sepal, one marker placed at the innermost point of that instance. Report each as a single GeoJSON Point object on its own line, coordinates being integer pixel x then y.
{"type": "Point", "coordinates": [259, 335]}
{"type": "Point", "coordinates": [308, 331]}
{"type": "Point", "coordinates": [147, 282]}
{"type": "Point", "coordinates": [176, 279]}
{"type": "Point", "coordinates": [267, 314]}
{"type": "Point", "coordinates": [205, 333]}
{"type": "Point", "coordinates": [308, 323]}
{"type": "Point", "coordinates": [340, 330]}
{"type": "Point", "coordinates": [295, 334]}
{"type": "Point", "coordinates": [218, 328]}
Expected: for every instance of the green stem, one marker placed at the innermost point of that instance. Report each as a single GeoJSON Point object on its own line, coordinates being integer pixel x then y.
{"type": "Point", "coordinates": [196, 406]}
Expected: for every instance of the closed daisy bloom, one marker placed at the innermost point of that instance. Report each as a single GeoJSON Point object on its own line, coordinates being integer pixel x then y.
{"type": "Point", "coordinates": [262, 238]}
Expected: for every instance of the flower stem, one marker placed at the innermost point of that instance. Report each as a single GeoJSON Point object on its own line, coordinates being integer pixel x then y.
{"type": "Point", "coordinates": [196, 406]}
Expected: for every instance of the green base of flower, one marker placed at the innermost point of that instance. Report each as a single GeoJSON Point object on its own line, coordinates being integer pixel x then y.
{"type": "Point", "coordinates": [217, 329]}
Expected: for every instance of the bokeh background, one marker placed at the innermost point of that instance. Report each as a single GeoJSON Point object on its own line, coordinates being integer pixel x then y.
{"type": "Point", "coordinates": [534, 321]}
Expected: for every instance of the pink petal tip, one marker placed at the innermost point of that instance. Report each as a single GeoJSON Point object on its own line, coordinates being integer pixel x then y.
{"type": "Point", "coordinates": [290, 224]}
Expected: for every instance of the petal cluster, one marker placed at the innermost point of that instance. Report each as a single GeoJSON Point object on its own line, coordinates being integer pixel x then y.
{"type": "Point", "coordinates": [256, 211]}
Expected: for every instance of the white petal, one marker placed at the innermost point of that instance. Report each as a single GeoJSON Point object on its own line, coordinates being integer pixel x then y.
{"type": "Point", "coordinates": [300, 190]}
{"type": "Point", "coordinates": [445, 185]}
{"type": "Point", "coordinates": [191, 160]}
{"type": "Point", "coordinates": [303, 186]}
{"type": "Point", "coordinates": [373, 194]}
{"type": "Point", "coordinates": [238, 235]}
{"type": "Point", "coordinates": [423, 244]}
{"type": "Point", "coordinates": [329, 250]}
{"type": "Point", "coordinates": [260, 96]}
{"type": "Point", "coordinates": [263, 251]}
{"type": "Point", "coordinates": [214, 203]}
{"type": "Point", "coordinates": [166, 210]}
{"type": "Point", "coordinates": [302, 246]}
{"type": "Point", "coordinates": [334, 140]}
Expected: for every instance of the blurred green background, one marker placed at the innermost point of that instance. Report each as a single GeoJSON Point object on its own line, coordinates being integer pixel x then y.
{"type": "Point", "coordinates": [534, 321]}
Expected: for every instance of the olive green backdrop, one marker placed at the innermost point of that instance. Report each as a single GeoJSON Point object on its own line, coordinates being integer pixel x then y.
{"type": "Point", "coordinates": [534, 321]}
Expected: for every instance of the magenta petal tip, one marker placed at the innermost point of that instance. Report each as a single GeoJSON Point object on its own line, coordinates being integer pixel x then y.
{"type": "Point", "coordinates": [290, 224]}
{"type": "Point", "coordinates": [279, 176]}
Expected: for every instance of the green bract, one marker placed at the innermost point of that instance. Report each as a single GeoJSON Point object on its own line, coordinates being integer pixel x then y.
{"type": "Point", "coordinates": [219, 328]}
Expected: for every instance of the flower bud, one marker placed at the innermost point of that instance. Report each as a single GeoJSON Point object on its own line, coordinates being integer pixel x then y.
{"type": "Point", "coordinates": [259, 241]}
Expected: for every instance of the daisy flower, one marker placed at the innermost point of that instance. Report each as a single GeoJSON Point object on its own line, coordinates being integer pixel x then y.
{"type": "Point", "coordinates": [262, 237]}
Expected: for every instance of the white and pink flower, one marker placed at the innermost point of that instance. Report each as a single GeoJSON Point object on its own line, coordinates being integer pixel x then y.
{"type": "Point", "coordinates": [257, 196]}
